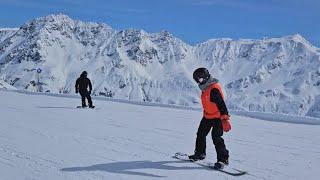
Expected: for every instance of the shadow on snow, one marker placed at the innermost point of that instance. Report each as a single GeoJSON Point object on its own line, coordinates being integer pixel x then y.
{"type": "Point", "coordinates": [55, 107]}
{"type": "Point", "coordinates": [128, 166]}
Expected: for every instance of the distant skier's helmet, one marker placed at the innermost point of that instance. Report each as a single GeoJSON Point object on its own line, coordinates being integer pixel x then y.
{"type": "Point", "coordinates": [201, 75]}
{"type": "Point", "coordinates": [84, 73]}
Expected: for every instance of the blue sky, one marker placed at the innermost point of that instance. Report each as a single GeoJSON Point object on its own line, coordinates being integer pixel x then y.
{"type": "Point", "coordinates": [193, 21]}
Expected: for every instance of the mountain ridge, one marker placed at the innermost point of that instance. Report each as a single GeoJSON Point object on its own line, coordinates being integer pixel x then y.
{"type": "Point", "coordinates": [268, 75]}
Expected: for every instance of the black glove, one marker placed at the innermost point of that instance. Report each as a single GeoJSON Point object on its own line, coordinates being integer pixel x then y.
{"type": "Point", "coordinates": [77, 91]}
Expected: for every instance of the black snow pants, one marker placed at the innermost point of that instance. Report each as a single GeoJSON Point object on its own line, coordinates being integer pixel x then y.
{"type": "Point", "coordinates": [84, 95]}
{"type": "Point", "coordinates": [216, 133]}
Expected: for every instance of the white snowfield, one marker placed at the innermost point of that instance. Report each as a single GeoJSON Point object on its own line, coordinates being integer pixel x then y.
{"type": "Point", "coordinates": [47, 138]}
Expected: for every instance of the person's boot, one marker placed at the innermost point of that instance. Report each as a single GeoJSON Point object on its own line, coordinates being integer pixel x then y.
{"type": "Point", "coordinates": [221, 164]}
{"type": "Point", "coordinates": [197, 156]}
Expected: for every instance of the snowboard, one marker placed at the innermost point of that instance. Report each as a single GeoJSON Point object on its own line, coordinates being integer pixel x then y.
{"type": "Point", "coordinates": [227, 169]}
{"type": "Point", "coordinates": [80, 107]}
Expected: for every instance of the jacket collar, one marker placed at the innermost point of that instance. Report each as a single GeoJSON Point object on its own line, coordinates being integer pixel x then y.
{"type": "Point", "coordinates": [211, 80]}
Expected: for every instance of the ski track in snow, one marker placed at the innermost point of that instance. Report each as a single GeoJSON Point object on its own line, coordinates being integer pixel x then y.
{"type": "Point", "coordinates": [46, 137]}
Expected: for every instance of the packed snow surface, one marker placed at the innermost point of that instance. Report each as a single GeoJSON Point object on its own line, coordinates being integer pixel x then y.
{"type": "Point", "coordinates": [46, 137]}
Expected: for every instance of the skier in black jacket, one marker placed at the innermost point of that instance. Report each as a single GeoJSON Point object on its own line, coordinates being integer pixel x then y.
{"type": "Point", "coordinates": [81, 86]}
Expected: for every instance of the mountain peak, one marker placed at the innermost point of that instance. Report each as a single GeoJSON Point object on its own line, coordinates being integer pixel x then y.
{"type": "Point", "coordinates": [293, 37]}
{"type": "Point", "coordinates": [50, 21]}
{"type": "Point", "coordinates": [165, 33]}
{"type": "Point", "coordinates": [298, 38]}
{"type": "Point", "coordinates": [56, 18]}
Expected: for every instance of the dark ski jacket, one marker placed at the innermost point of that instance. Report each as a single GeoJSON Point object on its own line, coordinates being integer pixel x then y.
{"type": "Point", "coordinates": [216, 98]}
{"type": "Point", "coordinates": [83, 83]}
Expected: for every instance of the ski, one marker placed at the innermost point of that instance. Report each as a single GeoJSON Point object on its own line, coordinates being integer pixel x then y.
{"type": "Point", "coordinates": [227, 170]}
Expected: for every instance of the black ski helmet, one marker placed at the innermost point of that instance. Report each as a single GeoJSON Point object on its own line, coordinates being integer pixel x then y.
{"type": "Point", "coordinates": [84, 73]}
{"type": "Point", "coordinates": [201, 75]}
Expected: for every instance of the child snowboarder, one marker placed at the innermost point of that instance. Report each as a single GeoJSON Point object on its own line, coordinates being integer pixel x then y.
{"type": "Point", "coordinates": [215, 116]}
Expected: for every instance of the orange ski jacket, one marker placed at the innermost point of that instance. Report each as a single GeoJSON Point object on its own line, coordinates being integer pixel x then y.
{"type": "Point", "coordinates": [210, 109]}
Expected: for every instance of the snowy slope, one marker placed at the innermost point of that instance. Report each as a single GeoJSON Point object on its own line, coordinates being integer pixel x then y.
{"type": "Point", "coordinates": [6, 86]}
{"type": "Point", "coordinates": [6, 33]}
{"type": "Point", "coordinates": [44, 137]}
{"type": "Point", "coordinates": [278, 75]}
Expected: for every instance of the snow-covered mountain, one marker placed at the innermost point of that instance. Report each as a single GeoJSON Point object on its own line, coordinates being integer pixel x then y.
{"type": "Point", "coordinates": [279, 75]}
{"type": "Point", "coordinates": [6, 86]}
{"type": "Point", "coordinates": [7, 32]}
